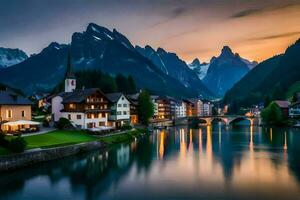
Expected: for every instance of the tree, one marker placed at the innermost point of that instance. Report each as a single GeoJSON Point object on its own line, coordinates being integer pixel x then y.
{"type": "Point", "coordinates": [278, 92]}
{"type": "Point", "coordinates": [272, 114]}
{"type": "Point", "coordinates": [145, 108]}
{"type": "Point", "coordinates": [122, 83]}
{"type": "Point", "coordinates": [267, 101]}
{"type": "Point", "coordinates": [131, 85]}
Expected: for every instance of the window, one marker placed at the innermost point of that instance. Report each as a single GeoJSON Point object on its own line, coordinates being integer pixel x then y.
{"type": "Point", "coordinates": [72, 106]}
{"type": "Point", "coordinates": [103, 115]}
{"type": "Point", "coordinates": [9, 113]}
{"type": "Point", "coordinates": [69, 116]}
{"type": "Point", "coordinates": [124, 113]}
{"type": "Point", "coordinates": [89, 116]}
{"type": "Point", "coordinates": [96, 115]}
{"type": "Point", "coordinates": [119, 113]}
{"type": "Point", "coordinates": [23, 113]}
{"type": "Point", "coordinates": [122, 98]}
{"type": "Point", "coordinates": [119, 105]}
{"type": "Point", "coordinates": [78, 116]}
{"type": "Point", "coordinates": [124, 105]}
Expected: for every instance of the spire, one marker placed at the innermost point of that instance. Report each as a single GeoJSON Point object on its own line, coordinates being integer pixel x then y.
{"type": "Point", "coordinates": [69, 73]}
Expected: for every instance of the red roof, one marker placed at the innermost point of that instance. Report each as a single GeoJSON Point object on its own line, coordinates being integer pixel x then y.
{"type": "Point", "coordinates": [283, 104]}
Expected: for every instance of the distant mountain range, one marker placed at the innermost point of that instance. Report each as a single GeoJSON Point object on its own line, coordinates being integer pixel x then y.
{"type": "Point", "coordinates": [170, 64]}
{"type": "Point", "coordinates": [276, 74]}
{"type": "Point", "coordinates": [159, 71]}
{"type": "Point", "coordinates": [9, 57]}
{"type": "Point", "coordinates": [225, 70]}
{"type": "Point", "coordinates": [108, 51]}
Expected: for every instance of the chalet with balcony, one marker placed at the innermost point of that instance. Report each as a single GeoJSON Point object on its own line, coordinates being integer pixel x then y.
{"type": "Point", "coordinates": [120, 109]}
{"type": "Point", "coordinates": [85, 108]}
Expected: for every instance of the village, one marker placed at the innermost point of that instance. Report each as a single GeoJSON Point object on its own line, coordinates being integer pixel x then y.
{"type": "Point", "coordinates": [91, 109]}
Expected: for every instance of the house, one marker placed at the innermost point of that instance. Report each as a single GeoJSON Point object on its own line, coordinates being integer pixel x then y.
{"type": "Point", "coordinates": [155, 106]}
{"type": "Point", "coordinates": [85, 108]}
{"type": "Point", "coordinates": [284, 106]}
{"type": "Point", "coordinates": [133, 99]}
{"type": "Point", "coordinates": [14, 108]}
{"type": "Point", "coordinates": [189, 107]}
{"type": "Point", "coordinates": [180, 109]}
{"type": "Point", "coordinates": [294, 110]}
{"type": "Point", "coordinates": [164, 109]}
{"type": "Point", "coordinates": [206, 109]}
{"type": "Point", "coordinates": [120, 109]}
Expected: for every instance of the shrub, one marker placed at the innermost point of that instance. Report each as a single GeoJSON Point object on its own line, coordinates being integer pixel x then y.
{"type": "Point", "coordinates": [45, 123]}
{"type": "Point", "coordinates": [3, 142]}
{"type": "Point", "coordinates": [126, 127]}
{"type": "Point", "coordinates": [17, 145]}
{"type": "Point", "coordinates": [63, 123]}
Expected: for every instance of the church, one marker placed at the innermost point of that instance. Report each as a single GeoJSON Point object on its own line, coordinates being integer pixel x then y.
{"type": "Point", "coordinates": [85, 108]}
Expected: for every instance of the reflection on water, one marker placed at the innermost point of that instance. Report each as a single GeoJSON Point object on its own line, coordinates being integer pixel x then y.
{"type": "Point", "coordinates": [212, 162]}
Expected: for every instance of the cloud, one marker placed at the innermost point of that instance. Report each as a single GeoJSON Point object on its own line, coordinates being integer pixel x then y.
{"type": "Point", "coordinates": [256, 11]}
{"type": "Point", "coordinates": [275, 36]}
{"type": "Point", "coordinates": [175, 13]}
{"type": "Point", "coordinates": [247, 12]}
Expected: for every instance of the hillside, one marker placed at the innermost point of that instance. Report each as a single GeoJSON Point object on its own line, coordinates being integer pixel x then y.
{"type": "Point", "coordinates": [280, 71]}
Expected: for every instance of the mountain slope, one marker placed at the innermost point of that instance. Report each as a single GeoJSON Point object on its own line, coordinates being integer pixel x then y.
{"type": "Point", "coordinates": [172, 65]}
{"type": "Point", "coordinates": [282, 70]}
{"type": "Point", "coordinates": [224, 71]}
{"type": "Point", "coordinates": [95, 48]}
{"type": "Point", "coordinates": [9, 57]}
{"type": "Point", "coordinates": [199, 68]}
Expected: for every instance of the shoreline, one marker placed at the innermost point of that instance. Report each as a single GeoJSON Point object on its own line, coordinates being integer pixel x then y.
{"type": "Point", "coordinates": [34, 156]}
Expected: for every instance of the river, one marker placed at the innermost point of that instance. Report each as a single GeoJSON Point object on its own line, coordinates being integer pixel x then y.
{"type": "Point", "coordinates": [210, 162]}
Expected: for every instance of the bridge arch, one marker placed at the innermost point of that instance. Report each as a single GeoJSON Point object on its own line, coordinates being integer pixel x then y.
{"type": "Point", "coordinates": [239, 119]}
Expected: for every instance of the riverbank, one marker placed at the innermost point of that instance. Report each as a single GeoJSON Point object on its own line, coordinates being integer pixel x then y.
{"type": "Point", "coordinates": [58, 144]}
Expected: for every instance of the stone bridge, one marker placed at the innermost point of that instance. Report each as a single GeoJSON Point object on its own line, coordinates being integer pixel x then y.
{"type": "Point", "coordinates": [229, 119]}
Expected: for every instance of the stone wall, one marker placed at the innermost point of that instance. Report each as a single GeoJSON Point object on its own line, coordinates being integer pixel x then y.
{"type": "Point", "coordinates": [34, 156]}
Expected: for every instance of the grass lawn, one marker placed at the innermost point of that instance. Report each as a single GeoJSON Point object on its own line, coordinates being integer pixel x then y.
{"type": "Point", "coordinates": [57, 138]}
{"type": "Point", "coordinates": [114, 139]}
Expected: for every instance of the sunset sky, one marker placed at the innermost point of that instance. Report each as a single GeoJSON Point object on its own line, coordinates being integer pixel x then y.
{"type": "Point", "coordinates": [256, 29]}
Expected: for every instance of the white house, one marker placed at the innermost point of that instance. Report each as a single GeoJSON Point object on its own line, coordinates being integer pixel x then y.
{"type": "Point", "coordinates": [120, 109]}
{"type": "Point", "coordinates": [294, 110]}
{"type": "Point", "coordinates": [180, 109]}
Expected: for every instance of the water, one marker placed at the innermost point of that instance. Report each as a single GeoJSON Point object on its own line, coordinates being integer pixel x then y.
{"type": "Point", "coordinates": [215, 162]}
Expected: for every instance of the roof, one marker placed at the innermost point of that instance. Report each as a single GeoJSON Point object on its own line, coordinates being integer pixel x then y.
{"type": "Point", "coordinates": [79, 95]}
{"type": "Point", "coordinates": [8, 98]}
{"type": "Point", "coordinates": [114, 97]}
{"type": "Point", "coordinates": [283, 104]}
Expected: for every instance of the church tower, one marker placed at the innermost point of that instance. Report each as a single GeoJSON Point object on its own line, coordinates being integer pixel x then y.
{"type": "Point", "coordinates": [70, 80]}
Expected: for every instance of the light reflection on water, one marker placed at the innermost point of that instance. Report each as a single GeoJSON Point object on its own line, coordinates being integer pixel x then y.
{"type": "Point", "coordinates": [211, 162]}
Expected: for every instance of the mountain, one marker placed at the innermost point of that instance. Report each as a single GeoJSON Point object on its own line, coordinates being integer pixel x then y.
{"type": "Point", "coordinates": [95, 48]}
{"type": "Point", "coordinates": [224, 71]}
{"type": "Point", "coordinates": [199, 68]}
{"type": "Point", "coordinates": [277, 73]}
{"type": "Point", "coordinates": [9, 57]}
{"type": "Point", "coordinates": [170, 64]}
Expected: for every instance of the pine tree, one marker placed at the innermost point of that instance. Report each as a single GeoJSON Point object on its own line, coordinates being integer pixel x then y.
{"type": "Point", "coordinates": [145, 108]}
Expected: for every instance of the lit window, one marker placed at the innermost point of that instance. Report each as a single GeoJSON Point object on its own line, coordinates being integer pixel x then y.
{"type": "Point", "coordinates": [9, 113]}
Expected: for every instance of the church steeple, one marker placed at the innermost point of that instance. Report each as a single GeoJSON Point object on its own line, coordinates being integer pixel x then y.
{"type": "Point", "coordinates": [70, 80]}
{"type": "Point", "coordinates": [69, 73]}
